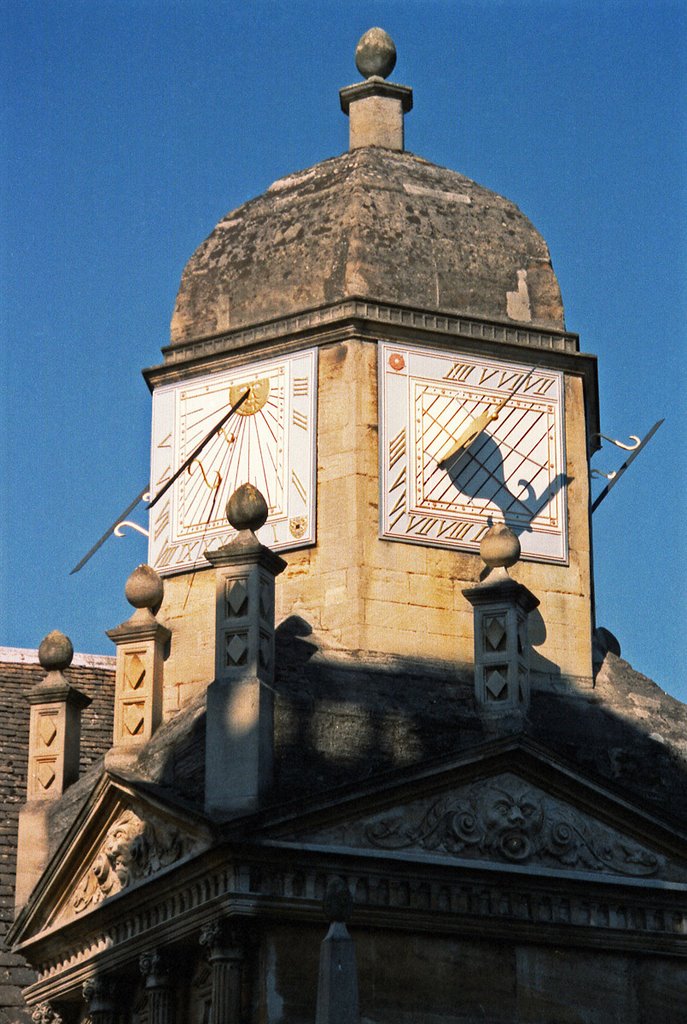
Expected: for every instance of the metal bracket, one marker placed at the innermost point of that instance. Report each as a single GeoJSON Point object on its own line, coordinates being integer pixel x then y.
{"type": "Point", "coordinates": [635, 449]}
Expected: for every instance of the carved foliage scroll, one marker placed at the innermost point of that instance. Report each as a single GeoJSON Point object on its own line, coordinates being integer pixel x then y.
{"type": "Point", "coordinates": [505, 819]}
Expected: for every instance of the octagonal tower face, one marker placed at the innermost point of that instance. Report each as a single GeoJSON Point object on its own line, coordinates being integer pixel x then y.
{"type": "Point", "coordinates": [376, 310]}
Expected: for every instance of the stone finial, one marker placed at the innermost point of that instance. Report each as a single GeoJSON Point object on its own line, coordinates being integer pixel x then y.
{"type": "Point", "coordinates": [140, 642]}
{"type": "Point", "coordinates": [337, 988]}
{"type": "Point", "coordinates": [375, 54]}
{"type": "Point", "coordinates": [247, 509]}
{"type": "Point", "coordinates": [55, 652]}
{"type": "Point", "coordinates": [501, 607]}
{"type": "Point", "coordinates": [144, 589]}
{"type": "Point", "coordinates": [500, 548]}
{"type": "Point", "coordinates": [375, 107]}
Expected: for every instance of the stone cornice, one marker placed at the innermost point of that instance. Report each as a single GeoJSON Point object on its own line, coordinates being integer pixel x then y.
{"type": "Point", "coordinates": [387, 894]}
{"type": "Point", "coordinates": [359, 309]}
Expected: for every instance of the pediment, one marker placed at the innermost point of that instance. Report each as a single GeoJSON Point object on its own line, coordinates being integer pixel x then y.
{"type": "Point", "coordinates": [123, 839]}
{"type": "Point", "coordinates": [500, 819]}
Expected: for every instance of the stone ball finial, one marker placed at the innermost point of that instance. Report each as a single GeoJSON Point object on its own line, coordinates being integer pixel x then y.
{"type": "Point", "coordinates": [55, 652]}
{"type": "Point", "coordinates": [338, 902]}
{"type": "Point", "coordinates": [375, 54]}
{"type": "Point", "coordinates": [247, 509]}
{"type": "Point", "coordinates": [144, 588]}
{"type": "Point", "coordinates": [500, 548]}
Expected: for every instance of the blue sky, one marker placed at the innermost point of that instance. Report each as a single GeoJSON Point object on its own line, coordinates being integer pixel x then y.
{"type": "Point", "coordinates": [130, 128]}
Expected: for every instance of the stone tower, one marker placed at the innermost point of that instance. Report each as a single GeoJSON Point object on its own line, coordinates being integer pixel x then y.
{"type": "Point", "coordinates": [377, 305]}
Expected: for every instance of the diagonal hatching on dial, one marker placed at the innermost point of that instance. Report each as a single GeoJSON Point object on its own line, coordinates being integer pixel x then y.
{"type": "Point", "coordinates": [476, 465]}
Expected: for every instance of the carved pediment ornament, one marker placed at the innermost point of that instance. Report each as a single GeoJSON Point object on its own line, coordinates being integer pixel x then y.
{"type": "Point", "coordinates": [132, 849]}
{"type": "Point", "coordinates": [44, 1014]}
{"type": "Point", "coordinates": [510, 821]}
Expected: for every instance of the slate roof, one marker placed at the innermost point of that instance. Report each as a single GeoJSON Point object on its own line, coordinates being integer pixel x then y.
{"type": "Point", "coordinates": [19, 671]}
{"type": "Point", "coordinates": [374, 224]}
{"type": "Point", "coordinates": [339, 722]}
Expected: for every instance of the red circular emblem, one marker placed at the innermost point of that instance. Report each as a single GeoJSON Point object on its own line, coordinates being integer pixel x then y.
{"type": "Point", "coordinates": [396, 361]}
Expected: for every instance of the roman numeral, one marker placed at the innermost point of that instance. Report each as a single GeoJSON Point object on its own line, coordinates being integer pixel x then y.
{"type": "Point", "coordinates": [165, 556]}
{"type": "Point", "coordinates": [161, 521]}
{"type": "Point", "coordinates": [540, 385]}
{"type": "Point", "coordinates": [400, 481]}
{"type": "Point", "coordinates": [300, 419]}
{"type": "Point", "coordinates": [486, 375]}
{"type": "Point", "coordinates": [300, 386]}
{"type": "Point", "coordinates": [166, 442]}
{"type": "Point", "coordinates": [459, 371]}
{"type": "Point", "coordinates": [397, 447]}
{"type": "Point", "coordinates": [510, 379]}
{"type": "Point", "coordinates": [164, 477]}
{"type": "Point", "coordinates": [189, 551]}
{"type": "Point", "coordinates": [421, 525]}
{"type": "Point", "coordinates": [298, 484]}
{"type": "Point", "coordinates": [399, 509]}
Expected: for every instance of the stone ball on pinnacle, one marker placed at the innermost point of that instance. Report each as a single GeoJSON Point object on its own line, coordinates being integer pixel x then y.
{"type": "Point", "coordinates": [500, 548]}
{"type": "Point", "coordinates": [55, 652]}
{"type": "Point", "coordinates": [144, 588]}
{"type": "Point", "coordinates": [247, 509]}
{"type": "Point", "coordinates": [375, 54]}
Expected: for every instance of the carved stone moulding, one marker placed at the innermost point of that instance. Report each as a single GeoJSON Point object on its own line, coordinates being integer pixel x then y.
{"type": "Point", "coordinates": [375, 312]}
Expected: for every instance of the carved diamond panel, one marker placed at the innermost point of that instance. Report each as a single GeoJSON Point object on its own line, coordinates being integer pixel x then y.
{"type": "Point", "coordinates": [237, 649]}
{"type": "Point", "coordinates": [133, 715]}
{"type": "Point", "coordinates": [45, 774]}
{"type": "Point", "coordinates": [237, 598]}
{"type": "Point", "coordinates": [495, 633]}
{"type": "Point", "coordinates": [135, 671]}
{"type": "Point", "coordinates": [495, 682]}
{"type": "Point", "coordinates": [47, 729]}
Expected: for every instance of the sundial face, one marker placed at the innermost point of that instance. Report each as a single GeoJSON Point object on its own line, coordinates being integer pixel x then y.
{"type": "Point", "coordinates": [269, 442]}
{"type": "Point", "coordinates": [467, 442]}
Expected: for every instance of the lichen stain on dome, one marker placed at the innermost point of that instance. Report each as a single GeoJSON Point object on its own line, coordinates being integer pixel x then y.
{"type": "Point", "coordinates": [374, 224]}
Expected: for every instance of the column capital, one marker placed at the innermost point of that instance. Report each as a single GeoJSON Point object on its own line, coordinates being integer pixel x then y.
{"type": "Point", "coordinates": [224, 939]}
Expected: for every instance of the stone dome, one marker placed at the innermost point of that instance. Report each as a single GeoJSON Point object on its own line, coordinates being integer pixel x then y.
{"type": "Point", "coordinates": [376, 224]}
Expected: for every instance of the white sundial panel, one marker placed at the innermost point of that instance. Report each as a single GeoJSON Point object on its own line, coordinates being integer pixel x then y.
{"type": "Point", "coordinates": [269, 442]}
{"type": "Point", "coordinates": [434, 490]}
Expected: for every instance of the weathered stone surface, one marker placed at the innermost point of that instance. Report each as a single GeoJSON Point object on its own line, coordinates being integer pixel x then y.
{"type": "Point", "coordinates": [372, 223]}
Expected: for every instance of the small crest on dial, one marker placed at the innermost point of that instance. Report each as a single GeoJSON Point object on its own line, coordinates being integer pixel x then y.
{"type": "Point", "coordinates": [298, 525]}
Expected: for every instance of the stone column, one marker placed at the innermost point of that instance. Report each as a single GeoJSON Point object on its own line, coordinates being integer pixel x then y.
{"type": "Point", "coordinates": [337, 986]}
{"type": "Point", "coordinates": [54, 752]}
{"type": "Point", "coordinates": [100, 997]}
{"type": "Point", "coordinates": [161, 1003]}
{"type": "Point", "coordinates": [224, 941]}
{"type": "Point", "coordinates": [375, 108]}
{"type": "Point", "coordinates": [140, 653]}
{"type": "Point", "coordinates": [239, 720]}
{"type": "Point", "coordinates": [501, 607]}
